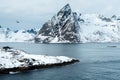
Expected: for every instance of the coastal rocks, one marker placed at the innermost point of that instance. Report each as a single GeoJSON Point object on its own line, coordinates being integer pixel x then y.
{"type": "Point", "coordinates": [13, 60]}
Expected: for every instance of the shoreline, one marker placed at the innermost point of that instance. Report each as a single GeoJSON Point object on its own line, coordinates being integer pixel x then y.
{"type": "Point", "coordinates": [23, 69]}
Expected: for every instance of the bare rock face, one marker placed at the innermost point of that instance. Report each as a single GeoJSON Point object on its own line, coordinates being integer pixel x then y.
{"type": "Point", "coordinates": [62, 28]}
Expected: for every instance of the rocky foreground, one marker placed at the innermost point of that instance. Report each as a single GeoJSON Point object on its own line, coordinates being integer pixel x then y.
{"type": "Point", "coordinates": [13, 60]}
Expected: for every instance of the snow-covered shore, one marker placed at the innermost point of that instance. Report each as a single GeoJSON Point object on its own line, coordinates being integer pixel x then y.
{"type": "Point", "coordinates": [13, 60]}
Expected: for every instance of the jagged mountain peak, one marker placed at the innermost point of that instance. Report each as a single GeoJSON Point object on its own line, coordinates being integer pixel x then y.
{"type": "Point", "coordinates": [66, 8]}
{"type": "Point", "coordinates": [65, 11]}
{"type": "Point", "coordinates": [62, 27]}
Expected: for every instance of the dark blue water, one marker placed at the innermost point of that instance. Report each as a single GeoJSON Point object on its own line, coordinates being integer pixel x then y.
{"type": "Point", "coordinates": [98, 61]}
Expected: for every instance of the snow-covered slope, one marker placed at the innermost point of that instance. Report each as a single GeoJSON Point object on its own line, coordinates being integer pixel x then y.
{"type": "Point", "coordinates": [97, 28]}
{"type": "Point", "coordinates": [7, 35]}
{"type": "Point", "coordinates": [11, 59]}
{"type": "Point", "coordinates": [69, 27]}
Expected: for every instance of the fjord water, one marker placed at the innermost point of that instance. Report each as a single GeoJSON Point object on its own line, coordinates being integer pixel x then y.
{"type": "Point", "coordinates": [98, 61]}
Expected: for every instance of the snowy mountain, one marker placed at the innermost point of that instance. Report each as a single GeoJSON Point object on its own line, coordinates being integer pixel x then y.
{"type": "Point", "coordinates": [62, 28]}
{"type": "Point", "coordinates": [68, 27]}
{"type": "Point", "coordinates": [7, 35]}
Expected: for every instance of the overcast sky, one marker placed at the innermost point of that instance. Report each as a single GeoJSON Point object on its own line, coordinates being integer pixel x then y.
{"type": "Point", "coordinates": [33, 13]}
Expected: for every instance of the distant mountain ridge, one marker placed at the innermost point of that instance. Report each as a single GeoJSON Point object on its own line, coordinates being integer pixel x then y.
{"type": "Point", "coordinates": [8, 35]}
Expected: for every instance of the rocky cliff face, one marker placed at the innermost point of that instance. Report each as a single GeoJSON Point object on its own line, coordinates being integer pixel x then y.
{"type": "Point", "coordinates": [62, 28]}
